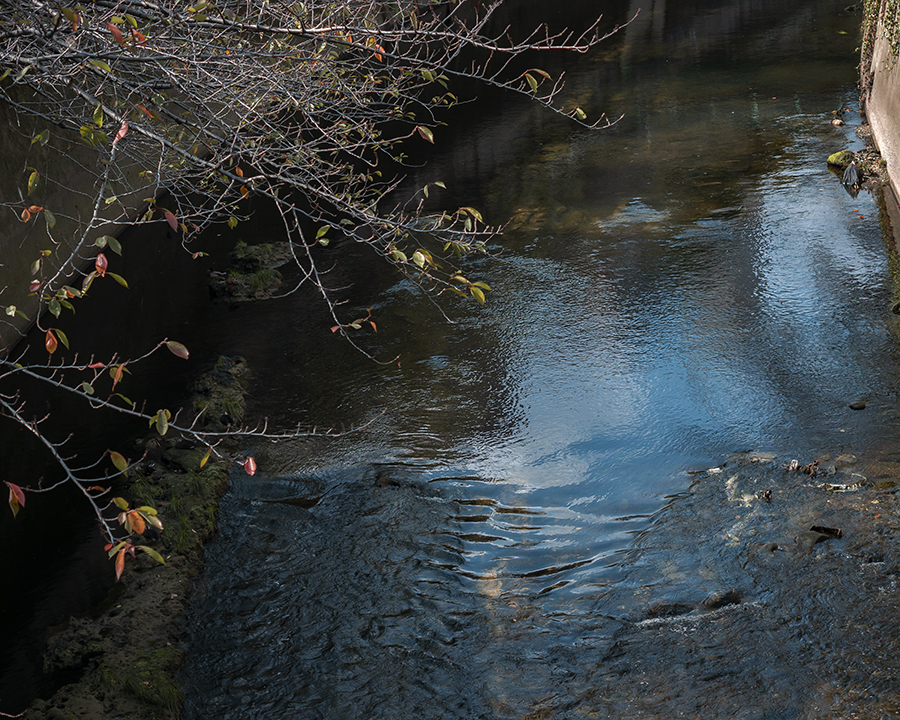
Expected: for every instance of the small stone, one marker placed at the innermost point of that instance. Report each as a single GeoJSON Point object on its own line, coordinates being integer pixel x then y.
{"type": "Point", "coordinates": [858, 405]}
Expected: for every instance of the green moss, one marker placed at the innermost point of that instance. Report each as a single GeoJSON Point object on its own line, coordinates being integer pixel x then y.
{"type": "Point", "coordinates": [150, 677]}
{"type": "Point", "coordinates": [842, 158]}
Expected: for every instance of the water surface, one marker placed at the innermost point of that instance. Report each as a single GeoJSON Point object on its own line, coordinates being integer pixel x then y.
{"type": "Point", "coordinates": [543, 494]}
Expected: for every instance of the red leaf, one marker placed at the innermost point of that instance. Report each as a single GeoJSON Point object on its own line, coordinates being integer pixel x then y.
{"type": "Point", "coordinates": [16, 491]}
{"type": "Point", "coordinates": [120, 563]}
{"type": "Point", "coordinates": [100, 264]}
{"type": "Point", "coordinates": [250, 466]}
{"type": "Point", "coordinates": [94, 366]}
{"type": "Point", "coordinates": [118, 375]}
{"type": "Point", "coordinates": [122, 132]}
{"type": "Point", "coordinates": [34, 286]}
{"type": "Point", "coordinates": [116, 33]}
{"type": "Point", "coordinates": [176, 348]}
{"type": "Point", "coordinates": [172, 220]}
{"type": "Point", "coordinates": [335, 328]}
{"type": "Point", "coordinates": [50, 342]}
{"type": "Point", "coordinates": [144, 110]}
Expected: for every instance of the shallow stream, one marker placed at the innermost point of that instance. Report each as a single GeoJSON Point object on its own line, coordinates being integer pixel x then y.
{"type": "Point", "coordinates": [579, 501]}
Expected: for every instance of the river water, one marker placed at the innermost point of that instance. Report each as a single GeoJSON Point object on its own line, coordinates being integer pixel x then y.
{"type": "Point", "coordinates": [573, 502]}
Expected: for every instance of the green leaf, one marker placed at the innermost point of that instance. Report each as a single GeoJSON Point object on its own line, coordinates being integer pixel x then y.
{"type": "Point", "coordinates": [121, 464]}
{"type": "Point", "coordinates": [21, 73]}
{"type": "Point", "coordinates": [98, 116]}
{"type": "Point", "coordinates": [152, 553]}
{"type": "Point", "coordinates": [440, 184]}
{"type": "Point", "coordinates": [53, 307]}
{"type": "Point", "coordinates": [118, 278]}
{"type": "Point", "coordinates": [126, 400]}
{"type": "Point", "coordinates": [114, 245]}
{"type": "Point", "coordinates": [50, 219]}
{"type": "Point", "coordinates": [425, 133]}
{"type": "Point", "coordinates": [396, 255]}
{"type": "Point", "coordinates": [42, 137]}
{"type": "Point", "coordinates": [232, 222]}
{"type": "Point", "coordinates": [33, 181]}
{"type": "Point", "coordinates": [580, 114]}
{"type": "Point", "coordinates": [100, 65]}
{"type": "Point", "coordinates": [162, 422]}
{"type": "Point", "coordinates": [532, 83]}
{"type": "Point", "coordinates": [428, 75]}
{"type": "Point", "coordinates": [474, 213]}
{"type": "Point", "coordinates": [115, 548]}
{"type": "Point", "coordinates": [419, 259]}
{"type": "Point", "coordinates": [482, 285]}
{"type": "Point", "coordinates": [62, 337]}
{"type": "Point", "coordinates": [86, 388]}
{"type": "Point", "coordinates": [477, 294]}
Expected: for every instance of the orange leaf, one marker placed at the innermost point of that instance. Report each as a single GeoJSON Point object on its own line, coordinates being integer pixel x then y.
{"type": "Point", "coordinates": [34, 209]}
{"type": "Point", "coordinates": [122, 132]}
{"type": "Point", "coordinates": [239, 172]}
{"type": "Point", "coordinates": [250, 466]}
{"type": "Point", "coordinates": [138, 36]}
{"type": "Point", "coordinates": [116, 33]}
{"type": "Point", "coordinates": [50, 342]}
{"type": "Point", "coordinates": [144, 110]}
{"type": "Point", "coordinates": [244, 191]}
{"type": "Point", "coordinates": [16, 498]}
{"type": "Point", "coordinates": [372, 323]}
{"type": "Point", "coordinates": [100, 264]}
{"type": "Point", "coordinates": [26, 216]}
{"type": "Point", "coordinates": [137, 522]}
{"type": "Point", "coordinates": [120, 563]}
{"type": "Point", "coordinates": [172, 220]}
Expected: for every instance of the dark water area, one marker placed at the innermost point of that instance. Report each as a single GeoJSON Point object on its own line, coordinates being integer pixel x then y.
{"type": "Point", "coordinates": [553, 511]}
{"type": "Point", "coordinates": [556, 505]}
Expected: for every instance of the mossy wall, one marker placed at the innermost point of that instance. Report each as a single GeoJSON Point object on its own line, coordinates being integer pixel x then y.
{"type": "Point", "coordinates": [880, 79]}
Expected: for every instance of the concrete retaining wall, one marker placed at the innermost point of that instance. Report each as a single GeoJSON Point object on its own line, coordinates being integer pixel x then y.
{"type": "Point", "coordinates": [883, 105]}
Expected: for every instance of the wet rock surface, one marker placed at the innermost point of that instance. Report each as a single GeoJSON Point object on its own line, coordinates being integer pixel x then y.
{"type": "Point", "coordinates": [253, 274]}
{"type": "Point", "coordinates": [817, 610]}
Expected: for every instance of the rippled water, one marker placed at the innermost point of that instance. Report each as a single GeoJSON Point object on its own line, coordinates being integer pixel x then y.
{"type": "Point", "coordinates": [545, 516]}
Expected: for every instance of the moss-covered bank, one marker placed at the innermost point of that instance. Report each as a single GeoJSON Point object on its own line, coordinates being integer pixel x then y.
{"type": "Point", "coordinates": [121, 660]}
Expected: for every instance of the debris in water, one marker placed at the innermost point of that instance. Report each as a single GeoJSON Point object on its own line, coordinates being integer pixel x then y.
{"type": "Point", "coordinates": [832, 532]}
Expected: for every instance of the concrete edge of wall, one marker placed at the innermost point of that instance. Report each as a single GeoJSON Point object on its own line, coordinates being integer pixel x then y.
{"type": "Point", "coordinates": [883, 111]}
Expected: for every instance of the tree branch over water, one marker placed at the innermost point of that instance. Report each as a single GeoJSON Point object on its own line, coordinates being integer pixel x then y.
{"type": "Point", "coordinates": [186, 115]}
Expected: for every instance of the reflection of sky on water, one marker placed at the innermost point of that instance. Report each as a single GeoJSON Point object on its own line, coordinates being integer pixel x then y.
{"type": "Point", "coordinates": [663, 345]}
